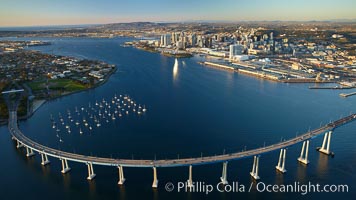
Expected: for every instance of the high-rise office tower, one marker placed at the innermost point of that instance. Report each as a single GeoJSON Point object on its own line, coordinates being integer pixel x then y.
{"type": "Point", "coordinates": [235, 49]}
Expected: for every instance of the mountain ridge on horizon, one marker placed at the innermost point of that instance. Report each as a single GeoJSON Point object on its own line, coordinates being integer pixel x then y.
{"type": "Point", "coordinates": [173, 22]}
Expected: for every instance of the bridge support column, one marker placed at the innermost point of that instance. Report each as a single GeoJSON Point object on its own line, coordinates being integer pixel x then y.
{"type": "Point", "coordinates": [282, 160]}
{"type": "Point", "coordinates": [121, 175]}
{"type": "Point", "coordinates": [254, 172]}
{"type": "Point", "coordinates": [223, 177]}
{"type": "Point", "coordinates": [190, 180]}
{"type": "Point", "coordinates": [65, 167]}
{"type": "Point", "coordinates": [91, 174]}
{"type": "Point", "coordinates": [19, 144]}
{"type": "Point", "coordinates": [326, 144]}
{"type": "Point", "coordinates": [155, 180]}
{"type": "Point", "coordinates": [304, 158]}
{"type": "Point", "coordinates": [45, 160]}
{"type": "Point", "coordinates": [29, 152]}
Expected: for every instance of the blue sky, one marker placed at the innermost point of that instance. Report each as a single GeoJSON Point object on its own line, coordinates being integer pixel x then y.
{"type": "Point", "coordinates": [65, 12]}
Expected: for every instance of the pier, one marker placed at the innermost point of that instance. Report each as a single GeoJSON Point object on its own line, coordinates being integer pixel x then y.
{"type": "Point", "coordinates": [331, 87]}
{"type": "Point", "coordinates": [347, 95]}
{"type": "Point", "coordinates": [268, 74]}
{"type": "Point", "coordinates": [216, 65]}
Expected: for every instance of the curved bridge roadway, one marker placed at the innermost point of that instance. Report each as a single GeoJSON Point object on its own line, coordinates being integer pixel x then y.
{"type": "Point", "coordinates": [20, 137]}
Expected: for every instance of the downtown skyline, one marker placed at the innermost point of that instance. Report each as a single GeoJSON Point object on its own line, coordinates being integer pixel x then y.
{"type": "Point", "coordinates": [43, 13]}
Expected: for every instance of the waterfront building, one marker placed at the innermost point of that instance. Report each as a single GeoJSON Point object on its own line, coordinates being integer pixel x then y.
{"type": "Point", "coordinates": [162, 40]}
{"type": "Point", "coordinates": [166, 40]}
{"type": "Point", "coordinates": [235, 49]}
{"type": "Point", "coordinates": [193, 40]}
{"type": "Point", "coordinates": [174, 40]}
{"type": "Point", "coordinates": [208, 42]}
{"type": "Point", "coordinates": [180, 45]}
{"type": "Point", "coordinates": [175, 37]}
{"type": "Point", "coordinates": [200, 41]}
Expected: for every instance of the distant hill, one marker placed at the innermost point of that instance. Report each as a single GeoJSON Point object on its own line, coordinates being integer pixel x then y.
{"type": "Point", "coordinates": [343, 20]}
{"type": "Point", "coordinates": [131, 25]}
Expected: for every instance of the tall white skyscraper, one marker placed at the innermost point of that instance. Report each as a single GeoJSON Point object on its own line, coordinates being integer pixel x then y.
{"type": "Point", "coordinates": [200, 41]}
{"type": "Point", "coordinates": [166, 40]}
{"type": "Point", "coordinates": [174, 37]}
{"type": "Point", "coordinates": [162, 40]}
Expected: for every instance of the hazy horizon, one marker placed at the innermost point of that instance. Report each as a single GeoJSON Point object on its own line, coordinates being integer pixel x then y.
{"type": "Point", "coordinates": [191, 21]}
{"type": "Point", "coordinates": [20, 13]}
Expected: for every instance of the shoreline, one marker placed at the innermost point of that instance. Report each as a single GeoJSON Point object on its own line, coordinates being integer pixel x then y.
{"type": "Point", "coordinates": [261, 75]}
{"type": "Point", "coordinates": [5, 122]}
{"type": "Point", "coordinates": [152, 50]}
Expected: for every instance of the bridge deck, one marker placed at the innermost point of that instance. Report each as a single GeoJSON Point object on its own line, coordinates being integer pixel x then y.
{"type": "Point", "coordinates": [18, 135]}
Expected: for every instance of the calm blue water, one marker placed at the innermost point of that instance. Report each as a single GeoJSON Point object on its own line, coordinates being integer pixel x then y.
{"type": "Point", "coordinates": [195, 111]}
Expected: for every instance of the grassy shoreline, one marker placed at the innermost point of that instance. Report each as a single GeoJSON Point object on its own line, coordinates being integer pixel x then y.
{"type": "Point", "coordinates": [64, 94]}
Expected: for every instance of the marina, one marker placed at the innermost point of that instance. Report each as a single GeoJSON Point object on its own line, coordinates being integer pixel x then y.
{"type": "Point", "coordinates": [85, 119]}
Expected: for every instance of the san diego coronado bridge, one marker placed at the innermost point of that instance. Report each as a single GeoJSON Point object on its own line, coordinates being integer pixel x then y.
{"type": "Point", "coordinates": [31, 147]}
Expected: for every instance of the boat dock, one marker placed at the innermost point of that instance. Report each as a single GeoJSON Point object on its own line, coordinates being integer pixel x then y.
{"type": "Point", "coordinates": [218, 65]}
{"type": "Point", "coordinates": [331, 87]}
{"type": "Point", "coordinates": [268, 75]}
{"type": "Point", "coordinates": [259, 74]}
{"type": "Point", "coordinates": [347, 95]}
